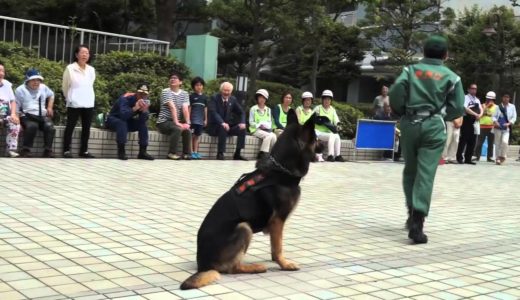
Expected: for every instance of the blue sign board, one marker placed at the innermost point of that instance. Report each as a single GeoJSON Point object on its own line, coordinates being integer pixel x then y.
{"type": "Point", "coordinates": [375, 135]}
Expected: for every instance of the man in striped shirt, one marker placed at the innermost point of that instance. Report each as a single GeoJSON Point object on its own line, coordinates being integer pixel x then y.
{"type": "Point", "coordinates": [174, 117]}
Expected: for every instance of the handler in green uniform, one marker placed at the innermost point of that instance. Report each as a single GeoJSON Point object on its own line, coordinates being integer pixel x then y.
{"type": "Point", "coordinates": [424, 95]}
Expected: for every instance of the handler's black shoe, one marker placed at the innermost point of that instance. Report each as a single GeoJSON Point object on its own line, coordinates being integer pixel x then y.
{"type": "Point", "coordinates": [416, 229]}
{"type": "Point", "coordinates": [145, 156]}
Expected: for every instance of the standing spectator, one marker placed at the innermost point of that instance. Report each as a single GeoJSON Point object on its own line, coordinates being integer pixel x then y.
{"type": "Point", "coordinates": [419, 95]}
{"type": "Point", "coordinates": [8, 114]}
{"type": "Point", "coordinates": [78, 89]}
{"type": "Point", "coordinates": [227, 118]}
{"type": "Point", "coordinates": [305, 111]}
{"type": "Point", "coordinates": [486, 127]}
{"type": "Point", "coordinates": [35, 101]}
{"type": "Point", "coordinates": [130, 113]}
{"type": "Point", "coordinates": [326, 126]}
{"type": "Point", "coordinates": [174, 117]}
{"type": "Point", "coordinates": [387, 115]}
{"type": "Point", "coordinates": [452, 140]}
{"type": "Point", "coordinates": [503, 120]}
{"type": "Point", "coordinates": [473, 113]}
{"type": "Point", "coordinates": [198, 114]}
{"type": "Point", "coordinates": [380, 101]}
{"type": "Point", "coordinates": [280, 113]}
{"type": "Point", "coordinates": [260, 123]}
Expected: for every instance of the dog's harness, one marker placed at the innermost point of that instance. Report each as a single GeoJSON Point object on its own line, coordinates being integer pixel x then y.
{"type": "Point", "coordinates": [245, 185]}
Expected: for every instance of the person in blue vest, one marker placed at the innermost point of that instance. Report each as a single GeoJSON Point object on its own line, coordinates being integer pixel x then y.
{"type": "Point", "coordinates": [128, 114]}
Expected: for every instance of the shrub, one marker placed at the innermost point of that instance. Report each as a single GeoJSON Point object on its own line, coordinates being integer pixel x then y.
{"type": "Point", "coordinates": [348, 116]}
{"type": "Point", "coordinates": [116, 62]}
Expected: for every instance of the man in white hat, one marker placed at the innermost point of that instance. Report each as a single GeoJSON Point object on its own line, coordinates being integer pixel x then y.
{"type": "Point", "coordinates": [486, 127]}
{"type": "Point", "coordinates": [35, 101]}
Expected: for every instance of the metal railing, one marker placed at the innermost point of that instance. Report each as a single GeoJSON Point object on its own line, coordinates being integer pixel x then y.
{"type": "Point", "coordinates": [57, 42]}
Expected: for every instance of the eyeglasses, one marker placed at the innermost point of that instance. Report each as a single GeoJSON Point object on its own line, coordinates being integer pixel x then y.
{"type": "Point", "coordinates": [472, 88]}
{"type": "Point", "coordinates": [174, 77]}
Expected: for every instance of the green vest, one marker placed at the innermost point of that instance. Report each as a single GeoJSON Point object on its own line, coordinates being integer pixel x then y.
{"type": "Point", "coordinates": [258, 117]}
{"type": "Point", "coordinates": [329, 114]}
{"type": "Point", "coordinates": [302, 115]}
{"type": "Point", "coordinates": [282, 118]}
{"type": "Point", "coordinates": [487, 116]}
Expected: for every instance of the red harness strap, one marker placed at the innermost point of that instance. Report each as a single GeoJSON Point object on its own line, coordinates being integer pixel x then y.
{"type": "Point", "coordinates": [249, 183]}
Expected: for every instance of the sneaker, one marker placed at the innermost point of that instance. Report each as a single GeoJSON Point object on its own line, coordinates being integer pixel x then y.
{"type": "Point", "coordinates": [319, 157]}
{"type": "Point", "coordinates": [48, 153]}
{"type": "Point", "coordinates": [86, 155]}
{"type": "Point", "coordinates": [330, 158]}
{"type": "Point", "coordinates": [186, 156]}
{"type": "Point", "coordinates": [25, 153]}
{"type": "Point", "coordinates": [194, 155]}
{"type": "Point", "coordinates": [11, 153]}
{"type": "Point", "coordinates": [490, 160]}
{"type": "Point", "coordinates": [67, 154]}
{"type": "Point", "coordinates": [239, 157]}
{"type": "Point", "coordinates": [339, 158]}
{"type": "Point", "coordinates": [173, 156]}
{"type": "Point", "coordinates": [220, 156]}
{"type": "Point", "coordinates": [199, 156]}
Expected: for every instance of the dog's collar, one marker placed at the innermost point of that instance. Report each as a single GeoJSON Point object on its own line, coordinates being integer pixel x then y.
{"type": "Point", "coordinates": [283, 169]}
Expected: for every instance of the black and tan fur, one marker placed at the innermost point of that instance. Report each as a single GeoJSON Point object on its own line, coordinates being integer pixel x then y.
{"type": "Point", "coordinates": [260, 201]}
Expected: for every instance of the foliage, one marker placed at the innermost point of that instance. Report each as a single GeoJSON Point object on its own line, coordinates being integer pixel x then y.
{"type": "Point", "coordinates": [348, 116]}
{"type": "Point", "coordinates": [399, 27]}
{"type": "Point", "coordinates": [488, 61]}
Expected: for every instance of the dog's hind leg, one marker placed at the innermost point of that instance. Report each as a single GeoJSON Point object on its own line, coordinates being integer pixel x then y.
{"type": "Point", "coordinates": [233, 253]}
{"type": "Point", "coordinates": [276, 233]}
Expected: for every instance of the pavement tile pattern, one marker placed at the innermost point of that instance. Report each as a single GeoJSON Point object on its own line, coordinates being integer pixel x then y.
{"type": "Point", "coordinates": [107, 229]}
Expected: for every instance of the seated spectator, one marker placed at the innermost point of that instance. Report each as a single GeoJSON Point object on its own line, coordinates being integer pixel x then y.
{"type": "Point", "coordinates": [198, 114]}
{"type": "Point", "coordinates": [35, 101]}
{"type": "Point", "coordinates": [280, 113]}
{"type": "Point", "coordinates": [227, 118]}
{"type": "Point", "coordinates": [129, 114]}
{"type": "Point", "coordinates": [8, 117]}
{"type": "Point", "coordinates": [305, 111]}
{"type": "Point", "coordinates": [326, 126]}
{"type": "Point", "coordinates": [174, 117]}
{"type": "Point", "coordinates": [260, 123]}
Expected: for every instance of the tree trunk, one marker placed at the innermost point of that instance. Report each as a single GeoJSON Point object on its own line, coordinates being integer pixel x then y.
{"type": "Point", "coordinates": [165, 12]}
{"type": "Point", "coordinates": [314, 71]}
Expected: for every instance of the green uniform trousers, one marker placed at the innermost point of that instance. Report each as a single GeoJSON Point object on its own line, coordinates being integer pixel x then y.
{"type": "Point", "coordinates": [422, 143]}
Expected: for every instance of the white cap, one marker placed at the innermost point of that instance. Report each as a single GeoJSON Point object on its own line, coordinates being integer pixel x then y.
{"type": "Point", "coordinates": [307, 95]}
{"type": "Point", "coordinates": [491, 95]}
{"type": "Point", "coordinates": [263, 92]}
{"type": "Point", "coordinates": [327, 93]}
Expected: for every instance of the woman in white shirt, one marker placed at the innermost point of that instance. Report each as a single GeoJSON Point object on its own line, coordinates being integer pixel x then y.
{"type": "Point", "coordinates": [78, 89]}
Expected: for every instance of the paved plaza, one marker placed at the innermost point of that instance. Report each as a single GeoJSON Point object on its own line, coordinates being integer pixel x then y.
{"type": "Point", "coordinates": [110, 229]}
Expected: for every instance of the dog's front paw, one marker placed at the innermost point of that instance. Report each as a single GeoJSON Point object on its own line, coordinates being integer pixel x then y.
{"type": "Point", "coordinates": [288, 266]}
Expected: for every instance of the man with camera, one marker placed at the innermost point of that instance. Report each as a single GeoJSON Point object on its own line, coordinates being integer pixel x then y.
{"type": "Point", "coordinates": [34, 101]}
{"type": "Point", "coordinates": [129, 114]}
{"type": "Point", "coordinates": [470, 126]}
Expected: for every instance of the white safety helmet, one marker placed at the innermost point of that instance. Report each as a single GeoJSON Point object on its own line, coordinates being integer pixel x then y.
{"type": "Point", "coordinates": [327, 93]}
{"type": "Point", "coordinates": [263, 92]}
{"type": "Point", "coordinates": [307, 95]}
{"type": "Point", "coordinates": [491, 95]}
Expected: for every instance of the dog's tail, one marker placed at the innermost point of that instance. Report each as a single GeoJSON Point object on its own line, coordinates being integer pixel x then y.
{"type": "Point", "coordinates": [200, 279]}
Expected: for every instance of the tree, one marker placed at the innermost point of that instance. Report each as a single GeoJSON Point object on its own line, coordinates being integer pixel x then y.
{"type": "Point", "coordinates": [399, 27]}
{"type": "Point", "coordinates": [490, 61]}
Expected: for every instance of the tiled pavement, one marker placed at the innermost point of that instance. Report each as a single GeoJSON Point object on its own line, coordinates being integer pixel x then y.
{"type": "Point", "coordinates": [97, 229]}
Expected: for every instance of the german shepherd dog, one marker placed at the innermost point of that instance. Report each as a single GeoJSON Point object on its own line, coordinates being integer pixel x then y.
{"type": "Point", "coordinates": [259, 201]}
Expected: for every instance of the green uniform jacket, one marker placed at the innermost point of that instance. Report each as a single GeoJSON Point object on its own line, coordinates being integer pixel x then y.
{"type": "Point", "coordinates": [427, 86]}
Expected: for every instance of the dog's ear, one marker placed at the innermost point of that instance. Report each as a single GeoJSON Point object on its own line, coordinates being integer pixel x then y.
{"type": "Point", "coordinates": [292, 118]}
{"type": "Point", "coordinates": [308, 132]}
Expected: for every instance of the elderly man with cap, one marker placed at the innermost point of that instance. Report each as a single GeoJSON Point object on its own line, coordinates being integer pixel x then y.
{"type": "Point", "coordinates": [486, 127]}
{"type": "Point", "coordinates": [326, 126]}
{"type": "Point", "coordinates": [260, 123]}
{"type": "Point", "coordinates": [425, 94]}
{"type": "Point", "coordinates": [34, 101]}
{"type": "Point", "coordinates": [128, 114]}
